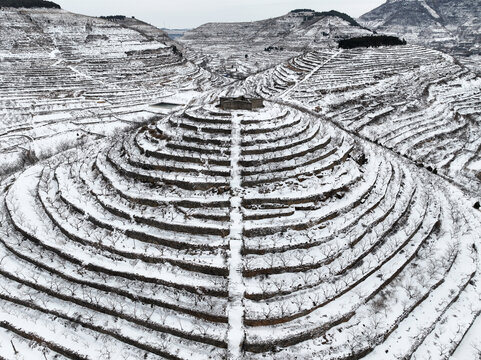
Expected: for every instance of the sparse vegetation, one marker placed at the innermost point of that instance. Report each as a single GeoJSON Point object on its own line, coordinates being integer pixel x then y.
{"type": "Point", "coordinates": [315, 14]}
{"type": "Point", "coordinates": [29, 4]}
{"type": "Point", "coordinates": [276, 48]}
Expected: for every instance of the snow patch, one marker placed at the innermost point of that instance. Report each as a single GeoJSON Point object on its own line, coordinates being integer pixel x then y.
{"type": "Point", "coordinates": [236, 332]}
{"type": "Point", "coordinates": [431, 11]}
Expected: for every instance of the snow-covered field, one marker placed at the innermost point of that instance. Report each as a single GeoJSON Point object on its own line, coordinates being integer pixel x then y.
{"type": "Point", "coordinates": [157, 243]}
{"type": "Point", "coordinates": [336, 222]}
{"type": "Point", "coordinates": [419, 103]}
{"type": "Point", "coordinates": [242, 49]}
{"type": "Point", "coordinates": [63, 74]}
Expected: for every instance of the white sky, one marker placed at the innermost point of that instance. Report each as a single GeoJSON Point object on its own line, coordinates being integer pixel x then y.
{"type": "Point", "coordinates": [192, 13]}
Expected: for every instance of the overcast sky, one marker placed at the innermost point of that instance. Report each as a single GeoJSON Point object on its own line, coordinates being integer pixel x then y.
{"type": "Point", "coordinates": [192, 13]}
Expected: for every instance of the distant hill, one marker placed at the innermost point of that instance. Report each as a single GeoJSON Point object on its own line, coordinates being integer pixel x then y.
{"type": "Point", "coordinates": [242, 48]}
{"type": "Point", "coordinates": [175, 33]}
{"type": "Point", "coordinates": [148, 30]}
{"type": "Point", "coordinates": [29, 4]}
{"type": "Point", "coordinates": [453, 26]}
{"type": "Point", "coordinates": [81, 74]}
{"type": "Point", "coordinates": [316, 14]}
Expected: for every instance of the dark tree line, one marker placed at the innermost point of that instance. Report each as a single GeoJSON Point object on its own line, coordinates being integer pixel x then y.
{"type": "Point", "coordinates": [270, 48]}
{"type": "Point", "coordinates": [371, 41]}
{"type": "Point", "coordinates": [113, 17]}
{"type": "Point", "coordinates": [301, 10]}
{"type": "Point", "coordinates": [29, 4]}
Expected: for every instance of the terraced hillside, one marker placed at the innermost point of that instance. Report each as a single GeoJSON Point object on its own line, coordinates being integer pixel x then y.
{"type": "Point", "coordinates": [337, 222]}
{"type": "Point", "coordinates": [453, 26]}
{"type": "Point", "coordinates": [420, 103]}
{"type": "Point", "coordinates": [472, 62]}
{"type": "Point", "coordinates": [242, 49]}
{"type": "Point", "coordinates": [67, 78]}
{"type": "Point", "coordinates": [215, 234]}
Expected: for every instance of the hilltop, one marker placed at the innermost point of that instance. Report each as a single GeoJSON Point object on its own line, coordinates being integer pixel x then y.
{"type": "Point", "coordinates": [29, 4]}
{"type": "Point", "coordinates": [149, 31]}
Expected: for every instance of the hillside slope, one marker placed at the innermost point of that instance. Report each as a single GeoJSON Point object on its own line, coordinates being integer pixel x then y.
{"type": "Point", "coordinates": [453, 26]}
{"type": "Point", "coordinates": [339, 221]}
{"type": "Point", "coordinates": [240, 49]}
{"type": "Point", "coordinates": [150, 31]}
{"type": "Point", "coordinates": [235, 235]}
{"type": "Point", "coordinates": [66, 78]}
{"type": "Point", "coordinates": [29, 4]}
{"type": "Point", "coordinates": [415, 101]}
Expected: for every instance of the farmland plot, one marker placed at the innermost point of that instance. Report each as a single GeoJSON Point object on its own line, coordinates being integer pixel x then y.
{"type": "Point", "coordinates": [67, 79]}
{"type": "Point", "coordinates": [239, 234]}
{"type": "Point", "coordinates": [420, 103]}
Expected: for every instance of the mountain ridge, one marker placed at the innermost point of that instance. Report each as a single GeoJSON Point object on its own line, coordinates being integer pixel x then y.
{"type": "Point", "coordinates": [29, 4]}
{"type": "Point", "coordinates": [446, 25]}
{"type": "Point", "coordinates": [249, 47]}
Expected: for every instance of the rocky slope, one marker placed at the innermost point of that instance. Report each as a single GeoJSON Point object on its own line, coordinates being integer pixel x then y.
{"type": "Point", "coordinates": [240, 49]}
{"type": "Point", "coordinates": [453, 26]}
